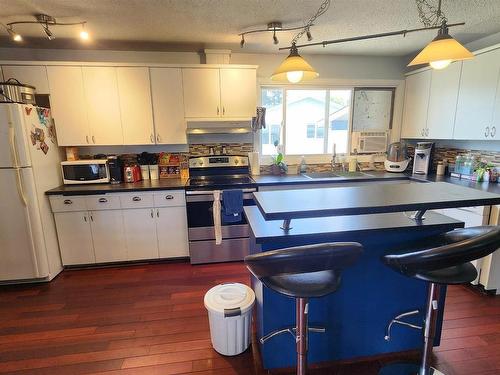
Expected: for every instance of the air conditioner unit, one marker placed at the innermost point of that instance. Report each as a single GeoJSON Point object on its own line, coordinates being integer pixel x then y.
{"type": "Point", "coordinates": [369, 142]}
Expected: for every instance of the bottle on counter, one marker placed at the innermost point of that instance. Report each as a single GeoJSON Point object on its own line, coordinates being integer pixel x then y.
{"type": "Point", "coordinates": [303, 165]}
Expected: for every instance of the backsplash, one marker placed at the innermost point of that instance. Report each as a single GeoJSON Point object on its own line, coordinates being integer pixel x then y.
{"type": "Point", "coordinates": [231, 148]}
{"type": "Point", "coordinates": [323, 167]}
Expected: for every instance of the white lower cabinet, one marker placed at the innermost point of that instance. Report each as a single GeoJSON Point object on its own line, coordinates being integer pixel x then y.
{"type": "Point", "coordinates": [119, 227]}
{"type": "Point", "coordinates": [140, 233]}
{"type": "Point", "coordinates": [171, 224]}
{"type": "Point", "coordinates": [75, 238]}
{"type": "Point", "coordinates": [108, 236]}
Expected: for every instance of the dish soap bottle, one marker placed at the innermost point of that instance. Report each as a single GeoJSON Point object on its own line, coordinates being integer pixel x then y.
{"type": "Point", "coordinates": [303, 165]}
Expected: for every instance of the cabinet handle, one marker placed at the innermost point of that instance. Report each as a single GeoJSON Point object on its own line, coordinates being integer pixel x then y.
{"type": "Point", "coordinates": [169, 197]}
{"type": "Point", "coordinates": [493, 131]}
{"type": "Point", "coordinates": [87, 138]}
{"type": "Point", "coordinates": [217, 110]}
{"type": "Point", "coordinates": [487, 132]}
{"type": "Point", "coordinates": [91, 217]}
{"type": "Point", "coordinates": [422, 132]}
{"type": "Point", "coordinates": [427, 131]}
{"type": "Point", "coordinates": [223, 110]}
{"type": "Point", "coordinates": [85, 218]}
{"type": "Point", "coordinates": [136, 199]}
{"type": "Point", "coordinates": [103, 200]}
{"type": "Point", "coordinates": [68, 201]}
{"type": "Point", "coordinates": [158, 139]}
{"type": "Point", "coordinates": [157, 213]}
{"type": "Point", "coordinates": [152, 138]}
{"type": "Point", "coordinates": [93, 139]}
{"type": "Point", "coordinates": [152, 214]}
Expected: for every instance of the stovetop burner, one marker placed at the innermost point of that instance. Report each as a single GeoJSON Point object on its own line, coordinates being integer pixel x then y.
{"type": "Point", "coordinates": [220, 182]}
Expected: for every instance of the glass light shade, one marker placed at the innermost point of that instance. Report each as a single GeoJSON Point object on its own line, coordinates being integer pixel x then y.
{"type": "Point", "coordinates": [84, 35]}
{"type": "Point", "coordinates": [441, 52]}
{"type": "Point", "coordinates": [294, 69]}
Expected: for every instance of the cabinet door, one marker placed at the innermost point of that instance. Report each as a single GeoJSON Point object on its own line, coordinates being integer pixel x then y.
{"type": "Point", "coordinates": [136, 109]}
{"type": "Point", "coordinates": [67, 100]}
{"type": "Point", "coordinates": [108, 236]}
{"type": "Point", "coordinates": [416, 105]}
{"type": "Point", "coordinates": [30, 75]}
{"type": "Point", "coordinates": [140, 233]}
{"type": "Point", "coordinates": [168, 105]}
{"type": "Point", "coordinates": [75, 238]}
{"type": "Point", "coordinates": [443, 102]}
{"type": "Point", "coordinates": [495, 129]}
{"type": "Point", "coordinates": [201, 89]}
{"type": "Point", "coordinates": [103, 105]}
{"type": "Point", "coordinates": [476, 97]}
{"type": "Point", "coordinates": [171, 224]}
{"type": "Point", "coordinates": [238, 92]}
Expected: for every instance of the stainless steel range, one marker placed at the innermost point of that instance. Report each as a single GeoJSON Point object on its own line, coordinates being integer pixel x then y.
{"type": "Point", "coordinates": [207, 174]}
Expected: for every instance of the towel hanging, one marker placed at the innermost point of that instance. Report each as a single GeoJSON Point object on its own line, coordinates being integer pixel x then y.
{"type": "Point", "coordinates": [216, 208]}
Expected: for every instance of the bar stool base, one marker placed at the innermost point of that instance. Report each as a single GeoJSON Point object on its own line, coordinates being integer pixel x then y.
{"type": "Point", "coordinates": [403, 368]}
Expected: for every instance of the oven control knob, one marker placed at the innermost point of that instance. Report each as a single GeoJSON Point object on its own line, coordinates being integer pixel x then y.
{"type": "Point", "coordinates": [236, 161]}
{"type": "Point", "coordinates": [201, 163]}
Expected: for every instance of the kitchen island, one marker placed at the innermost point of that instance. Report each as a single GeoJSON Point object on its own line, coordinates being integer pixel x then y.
{"type": "Point", "coordinates": [356, 316]}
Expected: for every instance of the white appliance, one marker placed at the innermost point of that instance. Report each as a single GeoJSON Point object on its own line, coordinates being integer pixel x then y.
{"type": "Point", "coordinates": [369, 142]}
{"type": "Point", "coordinates": [397, 160]}
{"type": "Point", "coordinates": [29, 166]}
{"type": "Point", "coordinates": [422, 158]}
{"type": "Point", "coordinates": [92, 171]}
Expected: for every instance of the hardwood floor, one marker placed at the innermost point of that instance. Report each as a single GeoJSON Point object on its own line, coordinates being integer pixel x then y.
{"type": "Point", "coordinates": [150, 319]}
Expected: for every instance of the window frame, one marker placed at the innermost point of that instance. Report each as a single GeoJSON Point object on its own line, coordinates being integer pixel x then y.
{"type": "Point", "coordinates": [310, 158]}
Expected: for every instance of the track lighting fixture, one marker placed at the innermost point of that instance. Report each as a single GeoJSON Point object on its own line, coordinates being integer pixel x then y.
{"type": "Point", "coordinates": [275, 38]}
{"type": "Point", "coordinates": [242, 42]}
{"type": "Point", "coordinates": [45, 21]}
{"type": "Point", "coordinates": [309, 36]}
{"type": "Point", "coordinates": [274, 27]}
{"type": "Point", "coordinates": [14, 36]}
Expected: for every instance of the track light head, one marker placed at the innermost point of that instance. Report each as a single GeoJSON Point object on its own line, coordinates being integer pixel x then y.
{"type": "Point", "coordinates": [242, 42]}
{"type": "Point", "coordinates": [14, 36]}
{"type": "Point", "coordinates": [275, 38]}
{"type": "Point", "coordinates": [309, 36]}
{"type": "Point", "coordinates": [49, 34]}
{"type": "Point", "coordinates": [84, 35]}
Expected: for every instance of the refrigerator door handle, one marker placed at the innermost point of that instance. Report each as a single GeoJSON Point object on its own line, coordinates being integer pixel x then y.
{"type": "Point", "coordinates": [12, 143]}
{"type": "Point", "coordinates": [20, 189]}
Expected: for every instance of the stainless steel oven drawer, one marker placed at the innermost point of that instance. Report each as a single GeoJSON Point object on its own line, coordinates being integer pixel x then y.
{"type": "Point", "coordinates": [227, 251]}
{"type": "Point", "coordinates": [228, 231]}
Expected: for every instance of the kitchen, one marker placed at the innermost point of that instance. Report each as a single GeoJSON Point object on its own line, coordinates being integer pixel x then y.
{"type": "Point", "coordinates": [121, 155]}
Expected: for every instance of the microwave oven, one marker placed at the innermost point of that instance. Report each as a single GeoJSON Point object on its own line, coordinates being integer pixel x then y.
{"type": "Point", "coordinates": [85, 171]}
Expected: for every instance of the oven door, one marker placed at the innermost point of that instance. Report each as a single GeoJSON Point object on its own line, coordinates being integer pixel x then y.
{"type": "Point", "coordinates": [199, 205]}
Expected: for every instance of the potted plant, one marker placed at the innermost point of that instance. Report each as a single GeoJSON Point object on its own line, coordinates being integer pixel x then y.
{"type": "Point", "coordinates": [278, 167]}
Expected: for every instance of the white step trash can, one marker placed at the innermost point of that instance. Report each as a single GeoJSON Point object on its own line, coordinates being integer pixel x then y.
{"type": "Point", "coordinates": [230, 314]}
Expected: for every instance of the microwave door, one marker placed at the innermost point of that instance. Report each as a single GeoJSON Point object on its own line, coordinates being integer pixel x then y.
{"type": "Point", "coordinates": [82, 173]}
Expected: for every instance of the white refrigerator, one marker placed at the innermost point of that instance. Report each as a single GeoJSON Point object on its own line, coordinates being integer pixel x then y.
{"type": "Point", "coordinates": [29, 166]}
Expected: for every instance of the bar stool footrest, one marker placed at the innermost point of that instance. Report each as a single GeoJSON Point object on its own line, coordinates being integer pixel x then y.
{"type": "Point", "coordinates": [291, 331]}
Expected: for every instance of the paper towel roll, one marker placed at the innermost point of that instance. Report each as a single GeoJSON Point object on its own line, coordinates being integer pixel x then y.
{"type": "Point", "coordinates": [254, 159]}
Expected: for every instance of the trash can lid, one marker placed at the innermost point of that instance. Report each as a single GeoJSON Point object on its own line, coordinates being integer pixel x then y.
{"type": "Point", "coordinates": [224, 297]}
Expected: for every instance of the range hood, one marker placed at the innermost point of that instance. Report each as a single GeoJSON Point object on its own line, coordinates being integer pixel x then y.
{"type": "Point", "coordinates": [200, 128]}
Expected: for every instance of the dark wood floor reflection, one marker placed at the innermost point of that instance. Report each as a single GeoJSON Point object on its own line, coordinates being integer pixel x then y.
{"type": "Point", "coordinates": [150, 319]}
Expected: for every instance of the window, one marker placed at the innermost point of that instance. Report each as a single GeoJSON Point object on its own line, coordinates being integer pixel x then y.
{"type": "Point", "coordinates": [306, 121]}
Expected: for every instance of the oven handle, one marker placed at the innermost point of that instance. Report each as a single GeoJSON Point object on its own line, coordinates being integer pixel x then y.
{"type": "Point", "coordinates": [210, 197]}
{"type": "Point", "coordinates": [208, 192]}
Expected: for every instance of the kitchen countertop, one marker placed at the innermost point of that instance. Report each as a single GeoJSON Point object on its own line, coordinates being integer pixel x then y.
{"type": "Point", "coordinates": [146, 185]}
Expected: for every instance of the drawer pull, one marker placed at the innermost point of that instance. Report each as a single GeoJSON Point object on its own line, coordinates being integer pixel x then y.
{"type": "Point", "coordinates": [136, 199]}
{"type": "Point", "coordinates": [169, 197]}
{"type": "Point", "coordinates": [68, 201]}
{"type": "Point", "coordinates": [103, 200]}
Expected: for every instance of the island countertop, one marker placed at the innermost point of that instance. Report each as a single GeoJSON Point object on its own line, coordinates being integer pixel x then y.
{"type": "Point", "coordinates": [372, 199]}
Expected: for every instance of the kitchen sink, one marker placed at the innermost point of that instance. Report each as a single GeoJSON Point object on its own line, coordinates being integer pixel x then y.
{"type": "Point", "coordinates": [320, 175]}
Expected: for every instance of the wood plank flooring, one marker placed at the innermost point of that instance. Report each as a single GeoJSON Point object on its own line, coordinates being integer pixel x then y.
{"type": "Point", "coordinates": [149, 319]}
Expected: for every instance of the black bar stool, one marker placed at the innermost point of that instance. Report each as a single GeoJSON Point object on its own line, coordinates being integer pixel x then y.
{"type": "Point", "coordinates": [303, 272]}
{"type": "Point", "coordinates": [439, 260]}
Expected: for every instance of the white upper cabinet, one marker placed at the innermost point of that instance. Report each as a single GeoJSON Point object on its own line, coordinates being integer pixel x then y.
{"type": "Point", "coordinates": [135, 105]}
{"type": "Point", "coordinates": [226, 93]}
{"type": "Point", "coordinates": [476, 98]}
{"type": "Point", "coordinates": [168, 105]}
{"type": "Point", "coordinates": [29, 75]}
{"type": "Point", "coordinates": [103, 105]}
{"type": "Point", "coordinates": [67, 100]}
{"type": "Point", "coordinates": [495, 129]}
{"type": "Point", "coordinates": [416, 105]}
{"type": "Point", "coordinates": [443, 102]}
{"type": "Point", "coordinates": [238, 92]}
{"type": "Point", "coordinates": [201, 92]}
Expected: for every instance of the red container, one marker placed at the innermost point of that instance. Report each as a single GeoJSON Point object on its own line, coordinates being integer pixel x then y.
{"type": "Point", "coordinates": [132, 173]}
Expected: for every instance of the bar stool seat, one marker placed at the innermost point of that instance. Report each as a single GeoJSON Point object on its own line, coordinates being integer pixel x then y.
{"type": "Point", "coordinates": [303, 272]}
{"type": "Point", "coordinates": [439, 260]}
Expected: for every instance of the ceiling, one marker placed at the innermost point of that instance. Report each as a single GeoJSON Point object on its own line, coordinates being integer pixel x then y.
{"type": "Point", "coordinates": [191, 25]}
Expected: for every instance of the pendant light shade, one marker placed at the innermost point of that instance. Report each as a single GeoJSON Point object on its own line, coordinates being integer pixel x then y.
{"type": "Point", "coordinates": [294, 69]}
{"type": "Point", "coordinates": [442, 51]}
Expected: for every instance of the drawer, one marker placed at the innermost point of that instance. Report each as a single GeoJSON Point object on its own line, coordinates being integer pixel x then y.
{"type": "Point", "coordinates": [103, 202]}
{"type": "Point", "coordinates": [60, 203]}
{"type": "Point", "coordinates": [137, 200]}
{"type": "Point", "coordinates": [170, 198]}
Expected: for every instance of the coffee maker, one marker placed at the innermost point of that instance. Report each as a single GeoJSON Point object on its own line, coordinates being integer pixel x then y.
{"type": "Point", "coordinates": [422, 159]}
{"type": "Point", "coordinates": [115, 165]}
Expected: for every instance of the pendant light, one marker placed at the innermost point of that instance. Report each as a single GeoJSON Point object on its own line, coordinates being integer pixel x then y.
{"type": "Point", "coordinates": [294, 68]}
{"type": "Point", "coordinates": [442, 51]}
